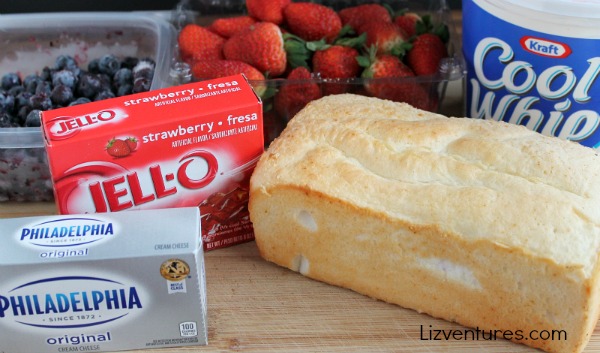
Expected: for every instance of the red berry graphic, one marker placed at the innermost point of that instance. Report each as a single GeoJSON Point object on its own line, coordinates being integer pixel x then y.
{"type": "Point", "coordinates": [132, 142]}
{"type": "Point", "coordinates": [118, 148]}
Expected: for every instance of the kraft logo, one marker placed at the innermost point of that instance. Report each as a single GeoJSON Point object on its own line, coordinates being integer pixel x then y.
{"type": "Point", "coordinates": [545, 47]}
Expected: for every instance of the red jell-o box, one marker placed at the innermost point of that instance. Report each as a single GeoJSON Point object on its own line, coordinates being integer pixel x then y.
{"type": "Point", "coordinates": [190, 145]}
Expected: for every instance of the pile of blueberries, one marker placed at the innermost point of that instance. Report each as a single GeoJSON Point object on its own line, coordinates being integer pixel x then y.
{"type": "Point", "coordinates": [24, 172]}
{"type": "Point", "coordinates": [65, 84]}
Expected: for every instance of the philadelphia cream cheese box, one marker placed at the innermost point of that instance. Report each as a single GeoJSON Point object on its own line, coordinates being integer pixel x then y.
{"type": "Point", "coordinates": [102, 282]}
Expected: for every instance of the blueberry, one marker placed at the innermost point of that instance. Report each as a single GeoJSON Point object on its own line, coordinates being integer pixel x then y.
{"type": "Point", "coordinates": [31, 77]}
{"type": "Point", "coordinates": [40, 101]}
{"type": "Point", "coordinates": [122, 77]}
{"type": "Point", "coordinates": [43, 87]}
{"type": "Point", "coordinates": [80, 100]}
{"type": "Point", "coordinates": [93, 66]}
{"type": "Point", "coordinates": [10, 80]}
{"type": "Point", "coordinates": [61, 95]}
{"type": "Point", "coordinates": [64, 77]}
{"type": "Point", "coordinates": [33, 119]}
{"type": "Point", "coordinates": [88, 86]}
{"type": "Point", "coordinates": [144, 73]}
{"type": "Point", "coordinates": [129, 62]}
{"type": "Point", "coordinates": [105, 82]}
{"type": "Point", "coordinates": [15, 121]}
{"type": "Point", "coordinates": [143, 69]}
{"type": "Point", "coordinates": [6, 120]}
{"type": "Point", "coordinates": [7, 102]}
{"type": "Point", "coordinates": [109, 64]}
{"type": "Point", "coordinates": [22, 99]}
{"type": "Point", "coordinates": [102, 95]}
{"type": "Point", "coordinates": [124, 90]}
{"type": "Point", "coordinates": [66, 62]}
{"type": "Point", "coordinates": [141, 84]}
{"type": "Point", "coordinates": [46, 73]}
{"type": "Point", "coordinates": [149, 61]}
{"type": "Point", "coordinates": [31, 81]}
{"type": "Point", "coordinates": [22, 114]}
{"type": "Point", "coordinates": [15, 90]}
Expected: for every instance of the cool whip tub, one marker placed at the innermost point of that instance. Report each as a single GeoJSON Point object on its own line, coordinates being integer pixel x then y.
{"type": "Point", "coordinates": [102, 282]}
{"type": "Point", "coordinates": [535, 63]}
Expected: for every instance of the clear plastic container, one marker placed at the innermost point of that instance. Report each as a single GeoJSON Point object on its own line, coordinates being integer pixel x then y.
{"type": "Point", "coordinates": [452, 69]}
{"type": "Point", "coordinates": [31, 41]}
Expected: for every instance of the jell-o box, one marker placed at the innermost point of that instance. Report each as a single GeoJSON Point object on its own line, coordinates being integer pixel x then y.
{"type": "Point", "coordinates": [189, 145]}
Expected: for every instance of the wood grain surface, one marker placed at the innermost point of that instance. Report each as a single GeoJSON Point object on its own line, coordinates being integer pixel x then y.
{"type": "Point", "coordinates": [256, 306]}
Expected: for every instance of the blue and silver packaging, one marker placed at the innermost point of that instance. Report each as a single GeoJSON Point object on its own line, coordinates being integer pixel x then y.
{"type": "Point", "coordinates": [102, 282]}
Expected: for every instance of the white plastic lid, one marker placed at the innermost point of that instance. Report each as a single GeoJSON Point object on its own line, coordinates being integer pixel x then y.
{"type": "Point", "coordinates": [572, 8]}
{"type": "Point", "coordinates": [566, 18]}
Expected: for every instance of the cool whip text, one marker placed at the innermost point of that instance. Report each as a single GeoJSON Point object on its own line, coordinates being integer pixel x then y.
{"type": "Point", "coordinates": [575, 125]}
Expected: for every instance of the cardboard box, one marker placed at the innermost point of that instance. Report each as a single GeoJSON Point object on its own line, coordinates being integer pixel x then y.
{"type": "Point", "coordinates": [102, 282]}
{"type": "Point", "coordinates": [191, 145]}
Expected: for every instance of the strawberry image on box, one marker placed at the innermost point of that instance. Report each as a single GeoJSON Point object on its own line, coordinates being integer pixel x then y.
{"type": "Point", "coordinates": [190, 145]}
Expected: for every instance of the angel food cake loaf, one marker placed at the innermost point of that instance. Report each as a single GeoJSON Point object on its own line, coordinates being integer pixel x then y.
{"type": "Point", "coordinates": [479, 222]}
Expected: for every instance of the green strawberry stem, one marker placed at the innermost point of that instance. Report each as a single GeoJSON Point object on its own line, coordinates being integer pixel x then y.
{"type": "Point", "coordinates": [346, 30]}
{"type": "Point", "coordinates": [389, 8]}
{"type": "Point", "coordinates": [400, 12]}
{"type": "Point", "coordinates": [426, 25]}
{"type": "Point", "coordinates": [296, 50]}
{"type": "Point", "coordinates": [401, 50]}
{"type": "Point", "coordinates": [353, 42]}
{"type": "Point", "coordinates": [299, 52]}
{"type": "Point", "coordinates": [367, 61]}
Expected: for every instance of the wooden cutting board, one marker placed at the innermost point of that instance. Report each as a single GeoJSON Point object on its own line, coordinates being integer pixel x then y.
{"type": "Point", "coordinates": [255, 306]}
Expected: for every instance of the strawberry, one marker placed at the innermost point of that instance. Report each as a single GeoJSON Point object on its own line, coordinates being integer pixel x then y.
{"type": "Point", "coordinates": [427, 51]}
{"type": "Point", "coordinates": [132, 143]}
{"type": "Point", "coordinates": [336, 62]}
{"type": "Point", "coordinates": [267, 10]}
{"type": "Point", "coordinates": [296, 92]}
{"type": "Point", "coordinates": [299, 51]}
{"type": "Point", "coordinates": [199, 43]}
{"type": "Point", "coordinates": [228, 26]}
{"type": "Point", "coordinates": [260, 45]}
{"type": "Point", "coordinates": [356, 16]}
{"type": "Point", "coordinates": [408, 22]}
{"type": "Point", "coordinates": [117, 148]}
{"type": "Point", "coordinates": [203, 70]}
{"type": "Point", "coordinates": [387, 37]}
{"type": "Point", "coordinates": [389, 78]}
{"type": "Point", "coordinates": [312, 21]}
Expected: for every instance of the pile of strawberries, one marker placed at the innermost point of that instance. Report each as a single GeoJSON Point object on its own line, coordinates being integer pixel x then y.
{"type": "Point", "coordinates": [367, 49]}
